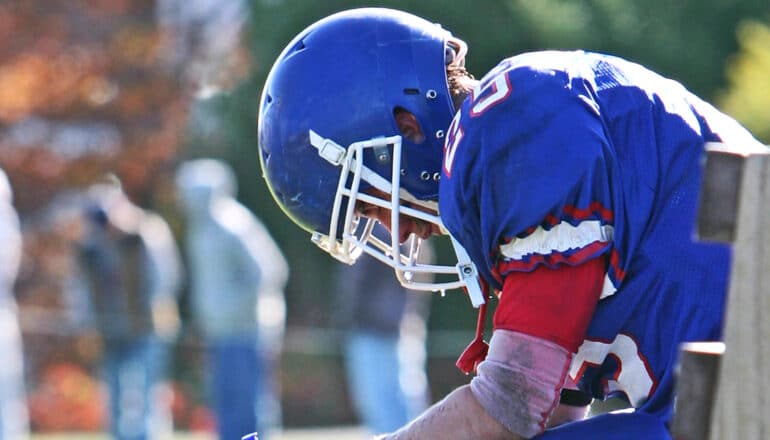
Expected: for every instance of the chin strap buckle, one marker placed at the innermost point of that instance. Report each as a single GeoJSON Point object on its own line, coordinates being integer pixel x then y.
{"type": "Point", "coordinates": [327, 148]}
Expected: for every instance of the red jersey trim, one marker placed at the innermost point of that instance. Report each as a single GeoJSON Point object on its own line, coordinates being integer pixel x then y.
{"type": "Point", "coordinates": [554, 259]}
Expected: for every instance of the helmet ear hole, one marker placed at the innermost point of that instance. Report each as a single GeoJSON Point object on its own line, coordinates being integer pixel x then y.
{"type": "Point", "coordinates": [408, 125]}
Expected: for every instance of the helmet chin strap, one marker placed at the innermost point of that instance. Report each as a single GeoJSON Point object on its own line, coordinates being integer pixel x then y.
{"type": "Point", "coordinates": [350, 247]}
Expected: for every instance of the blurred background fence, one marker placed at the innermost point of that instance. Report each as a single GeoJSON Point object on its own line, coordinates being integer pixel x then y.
{"type": "Point", "coordinates": [135, 87]}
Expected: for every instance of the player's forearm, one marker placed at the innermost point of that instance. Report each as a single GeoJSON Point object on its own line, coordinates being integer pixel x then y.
{"type": "Point", "coordinates": [458, 416]}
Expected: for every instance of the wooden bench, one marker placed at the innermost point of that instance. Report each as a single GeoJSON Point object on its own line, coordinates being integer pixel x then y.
{"type": "Point", "coordinates": [723, 389]}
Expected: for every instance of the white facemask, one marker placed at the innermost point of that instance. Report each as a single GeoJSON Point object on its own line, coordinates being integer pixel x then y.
{"type": "Point", "coordinates": [403, 259]}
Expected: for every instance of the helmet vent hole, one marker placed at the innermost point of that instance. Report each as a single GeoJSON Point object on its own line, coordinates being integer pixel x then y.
{"type": "Point", "coordinates": [411, 91]}
{"type": "Point", "coordinates": [299, 47]}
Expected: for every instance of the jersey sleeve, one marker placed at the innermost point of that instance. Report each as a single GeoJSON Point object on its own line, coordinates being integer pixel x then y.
{"type": "Point", "coordinates": [529, 183]}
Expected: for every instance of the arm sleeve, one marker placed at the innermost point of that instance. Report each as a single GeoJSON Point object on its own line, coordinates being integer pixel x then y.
{"type": "Point", "coordinates": [553, 304]}
{"type": "Point", "coordinates": [518, 384]}
{"type": "Point", "coordinates": [541, 319]}
{"type": "Point", "coordinates": [270, 261]}
{"type": "Point", "coordinates": [164, 261]}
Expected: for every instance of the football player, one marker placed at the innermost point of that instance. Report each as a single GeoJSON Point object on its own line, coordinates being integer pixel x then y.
{"type": "Point", "coordinates": [568, 182]}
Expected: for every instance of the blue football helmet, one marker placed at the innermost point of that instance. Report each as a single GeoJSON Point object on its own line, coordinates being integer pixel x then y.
{"type": "Point", "coordinates": [327, 132]}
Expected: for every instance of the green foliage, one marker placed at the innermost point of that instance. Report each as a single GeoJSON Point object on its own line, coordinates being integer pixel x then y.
{"type": "Point", "coordinates": [687, 40]}
{"type": "Point", "coordinates": [748, 96]}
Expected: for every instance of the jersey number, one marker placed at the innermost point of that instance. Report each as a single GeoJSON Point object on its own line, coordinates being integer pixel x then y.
{"type": "Point", "coordinates": [450, 147]}
{"type": "Point", "coordinates": [493, 90]}
{"type": "Point", "coordinates": [633, 375]}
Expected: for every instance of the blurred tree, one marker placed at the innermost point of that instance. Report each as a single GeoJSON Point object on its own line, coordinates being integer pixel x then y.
{"type": "Point", "coordinates": [747, 96]}
{"type": "Point", "coordinates": [688, 40]}
{"type": "Point", "coordinates": [86, 87]}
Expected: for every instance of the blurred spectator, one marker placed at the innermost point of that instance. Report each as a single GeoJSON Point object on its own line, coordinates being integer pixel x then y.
{"type": "Point", "coordinates": [129, 273]}
{"type": "Point", "coordinates": [237, 275]}
{"type": "Point", "coordinates": [14, 419]}
{"type": "Point", "coordinates": [384, 345]}
{"type": "Point", "coordinates": [205, 37]}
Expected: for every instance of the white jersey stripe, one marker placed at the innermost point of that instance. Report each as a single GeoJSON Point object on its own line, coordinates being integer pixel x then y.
{"type": "Point", "coordinates": [559, 238]}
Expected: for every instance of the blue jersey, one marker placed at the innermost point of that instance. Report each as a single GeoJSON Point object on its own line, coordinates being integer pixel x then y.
{"type": "Point", "coordinates": [561, 157]}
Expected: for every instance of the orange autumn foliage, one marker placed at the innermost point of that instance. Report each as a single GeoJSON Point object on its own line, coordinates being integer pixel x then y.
{"type": "Point", "coordinates": [67, 398]}
{"type": "Point", "coordinates": [86, 87]}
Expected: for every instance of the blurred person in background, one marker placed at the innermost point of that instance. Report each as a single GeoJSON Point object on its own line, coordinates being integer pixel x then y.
{"type": "Point", "coordinates": [384, 346]}
{"type": "Point", "coordinates": [205, 36]}
{"type": "Point", "coordinates": [129, 272]}
{"type": "Point", "coordinates": [14, 419]}
{"type": "Point", "coordinates": [237, 275]}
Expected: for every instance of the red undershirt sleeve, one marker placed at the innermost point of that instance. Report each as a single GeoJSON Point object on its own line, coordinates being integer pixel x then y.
{"type": "Point", "coordinates": [552, 304]}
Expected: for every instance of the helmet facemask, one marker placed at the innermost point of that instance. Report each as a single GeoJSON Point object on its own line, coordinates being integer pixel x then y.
{"type": "Point", "coordinates": [355, 240]}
